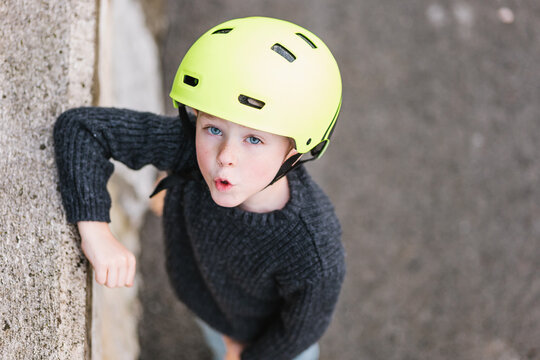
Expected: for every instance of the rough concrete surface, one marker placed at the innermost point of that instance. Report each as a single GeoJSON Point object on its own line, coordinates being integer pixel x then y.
{"type": "Point", "coordinates": [46, 65]}
{"type": "Point", "coordinates": [433, 169]}
{"type": "Point", "coordinates": [129, 77]}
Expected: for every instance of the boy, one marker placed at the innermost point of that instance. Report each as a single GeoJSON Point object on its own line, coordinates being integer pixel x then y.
{"type": "Point", "coordinates": [253, 244]}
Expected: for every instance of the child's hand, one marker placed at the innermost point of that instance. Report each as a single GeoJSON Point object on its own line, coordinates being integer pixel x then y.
{"type": "Point", "coordinates": [234, 348]}
{"type": "Point", "coordinates": [113, 264]}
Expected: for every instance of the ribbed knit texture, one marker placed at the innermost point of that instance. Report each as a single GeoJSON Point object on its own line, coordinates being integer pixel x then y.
{"type": "Point", "coordinates": [270, 280]}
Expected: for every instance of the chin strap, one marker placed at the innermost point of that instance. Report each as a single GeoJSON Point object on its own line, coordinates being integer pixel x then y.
{"type": "Point", "coordinates": [287, 166]}
{"type": "Point", "coordinates": [290, 164]}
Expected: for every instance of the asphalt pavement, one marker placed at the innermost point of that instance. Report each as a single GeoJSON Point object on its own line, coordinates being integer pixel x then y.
{"type": "Point", "coordinates": [433, 170]}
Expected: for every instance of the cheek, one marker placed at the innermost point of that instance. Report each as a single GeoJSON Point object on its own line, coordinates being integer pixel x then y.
{"type": "Point", "coordinates": [204, 154]}
{"type": "Point", "coordinates": [264, 170]}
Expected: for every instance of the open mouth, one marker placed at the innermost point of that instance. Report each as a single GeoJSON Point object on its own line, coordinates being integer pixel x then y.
{"type": "Point", "coordinates": [222, 184]}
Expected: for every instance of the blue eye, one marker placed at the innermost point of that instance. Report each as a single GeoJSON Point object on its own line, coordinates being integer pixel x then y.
{"type": "Point", "coordinates": [214, 130]}
{"type": "Point", "coordinates": [253, 140]}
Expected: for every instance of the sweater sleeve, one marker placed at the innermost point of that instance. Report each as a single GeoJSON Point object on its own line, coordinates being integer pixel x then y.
{"type": "Point", "coordinates": [304, 317]}
{"type": "Point", "coordinates": [86, 138]}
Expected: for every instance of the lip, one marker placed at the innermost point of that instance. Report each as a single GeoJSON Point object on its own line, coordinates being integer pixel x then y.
{"type": "Point", "coordinates": [222, 184]}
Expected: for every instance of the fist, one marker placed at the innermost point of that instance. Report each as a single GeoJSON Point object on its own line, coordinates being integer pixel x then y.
{"type": "Point", "coordinates": [114, 265]}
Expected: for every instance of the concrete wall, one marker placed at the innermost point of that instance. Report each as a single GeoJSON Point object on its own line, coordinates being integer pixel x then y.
{"type": "Point", "coordinates": [129, 74]}
{"type": "Point", "coordinates": [50, 307]}
{"type": "Point", "coordinates": [47, 63]}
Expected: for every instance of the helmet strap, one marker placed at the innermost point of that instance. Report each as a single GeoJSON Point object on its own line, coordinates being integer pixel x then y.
{"type": "Point", "coordinates": [287, 166]}
{"type": "Point", "coordinates": [174, 179]}
{"type": "Point", "coordinates": [290, 164]}
{"type": "Point", "coordinates": [186, 123]}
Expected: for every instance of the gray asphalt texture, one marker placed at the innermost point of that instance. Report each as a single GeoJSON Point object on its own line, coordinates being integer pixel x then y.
{"type": "Point", "coordinates": [433, 169]}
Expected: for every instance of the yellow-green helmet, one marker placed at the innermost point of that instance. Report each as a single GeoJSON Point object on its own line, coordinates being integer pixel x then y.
{"type": "Point", "coordinates": [266, 74]}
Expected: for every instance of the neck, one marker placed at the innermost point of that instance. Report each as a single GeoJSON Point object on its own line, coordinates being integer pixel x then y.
{"type": "Point", "coordinates": [273, 197]}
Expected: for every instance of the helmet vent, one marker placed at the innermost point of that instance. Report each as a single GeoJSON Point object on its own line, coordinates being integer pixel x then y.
{"type": "Point", "coordinates": [251, 102]}
{"type": "Point", "coordinates": [307, 40]}
{"type": "Point", "coordinates": [281, 50]}
{"type": "Point", "coordinates": [190, 80]}
{"type": "Point", "coordinates": [222, 31]}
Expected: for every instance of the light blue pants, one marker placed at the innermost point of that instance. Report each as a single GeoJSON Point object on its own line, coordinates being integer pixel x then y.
{"type": "Point", "coordinates": [215, 341]}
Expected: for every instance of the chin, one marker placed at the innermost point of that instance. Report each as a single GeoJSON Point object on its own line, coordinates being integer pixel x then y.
{"type": "Point", "coordinates": [225, 201]}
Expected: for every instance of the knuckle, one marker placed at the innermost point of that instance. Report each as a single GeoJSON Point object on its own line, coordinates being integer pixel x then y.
{"type": "Point", "coordinates": [121, 261]}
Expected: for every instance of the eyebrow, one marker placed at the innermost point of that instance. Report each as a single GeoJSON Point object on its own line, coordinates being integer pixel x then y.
{"type": "Point", "coordinates": [252, 132]}
{"type": "Point", "coordinates": [208, 117]}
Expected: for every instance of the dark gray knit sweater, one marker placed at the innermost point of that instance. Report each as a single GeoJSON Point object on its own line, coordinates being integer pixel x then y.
{"type": "Point", "coordinates": [271, 280]}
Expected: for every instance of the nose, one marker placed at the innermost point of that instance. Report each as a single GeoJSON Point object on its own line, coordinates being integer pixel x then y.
{"type": "Point", "coordinates": [226, 155]}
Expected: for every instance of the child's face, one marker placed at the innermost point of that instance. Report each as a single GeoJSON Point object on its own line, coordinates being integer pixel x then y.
{"type": "Point", "coordinates": [237, 162]}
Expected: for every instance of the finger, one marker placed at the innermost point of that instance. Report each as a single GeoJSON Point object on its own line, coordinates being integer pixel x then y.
{"type": "Point", "coordinates": [122, 271]}
{"type": "Point", "coordinates": [101, 274]}
{"type": "Point", "coordinates": [112, 276]}
{"type": "Point", "coordinates": [131, 270]}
